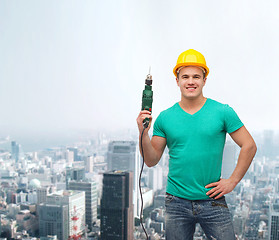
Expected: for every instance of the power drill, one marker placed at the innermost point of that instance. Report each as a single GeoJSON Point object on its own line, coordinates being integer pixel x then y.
{"type": "Point", "coordinates": [147, 98]}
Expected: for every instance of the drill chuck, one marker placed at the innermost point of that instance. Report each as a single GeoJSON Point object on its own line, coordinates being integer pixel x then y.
{"type": "Point", "coordinates": [148, 80]}
{"type": "Point", "coordinates": [147, 98]}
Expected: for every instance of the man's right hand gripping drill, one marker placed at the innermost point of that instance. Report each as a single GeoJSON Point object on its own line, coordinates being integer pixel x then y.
{"type": "Point", "coordinates": [154, 148]}
{"type": "Point", "coordinates": [143, 115]}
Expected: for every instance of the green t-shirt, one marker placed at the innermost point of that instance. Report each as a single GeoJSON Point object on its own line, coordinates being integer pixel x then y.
{"type": "Point", "coordinates": [195, 144]}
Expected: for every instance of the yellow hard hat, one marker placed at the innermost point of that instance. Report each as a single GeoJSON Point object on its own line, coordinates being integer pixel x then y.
{"type": "Point", "coordinates": [191, 57]}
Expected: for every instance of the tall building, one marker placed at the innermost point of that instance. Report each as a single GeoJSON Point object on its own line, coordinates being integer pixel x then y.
{"type": "Point", "coordinates": [88, 163]}
{"type": "Point", "coordinates": [75, 151]}
{"type": "Point", "coordinates": [121, 155]}
{"type": "Point", "coordinates": [268, 144]}
{"type": "Point", "coordinates": [155, 178]}
{"type": "Point", "coordinates": [15, 150]}
{"type": "Point", "coordinates": [75, 174]}
{"type": "Point", "coordinates": [90, 189]}
{"type": "Point", "coordinates": [53, 220]}
{"type": "Point", "coordinates": [75, 201]}
{"type": "Point", "coordinates": [42, 193]}
{"type": "Point", "coordinates": [273, 222]}
{"type": "Point", "coordinates": [69, 155]}
{"type": "Point", "coordinates": [117, 220]}
{"type": "Point", "coordinates": [124, 156]}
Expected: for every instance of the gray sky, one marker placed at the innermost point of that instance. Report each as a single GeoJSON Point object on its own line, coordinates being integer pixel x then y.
{"type": "Point", "coordinates": [76, 65]}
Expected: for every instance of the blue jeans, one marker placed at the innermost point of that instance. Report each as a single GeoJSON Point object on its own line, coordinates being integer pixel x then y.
{"type": "Point", "coordinates": [212, 215]}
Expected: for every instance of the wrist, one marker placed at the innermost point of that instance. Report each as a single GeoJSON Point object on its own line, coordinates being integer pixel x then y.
{"type": "Point", "coordinates": [234, 180]}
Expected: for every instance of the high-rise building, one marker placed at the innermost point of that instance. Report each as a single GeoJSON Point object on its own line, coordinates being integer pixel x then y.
{"type": "Point", "coordinates": [75, 174]}
{"type": "Point", "coordinates": [88, 163]}
{"type": "Point", "coordinates": [117, 221]}
{"type": "Point", "coordinates": [273, 222]}
{"type": "Point", "coordinates": [15, 150]}
{"type": "Point", "coordinates": [75, 200]}
{"type": "Point", "coordinates": [268, 144]}
{"type": "Point", "coordinates": [155, 178]}
{"type": "Point", "coordinates": [75, 151]}
{"type": "Point", "coordinates": [69, 155]}
{"type": "Point", "coordinates": [124, 156]}
{"type": "Point", "coordinates": [42, 193]}
{"type": "Point", "coordinates": [90, 189]}
{"type": "Point", "coordinates": [53, 220]}
{"type": "Point", "coordinates": [121, 155]}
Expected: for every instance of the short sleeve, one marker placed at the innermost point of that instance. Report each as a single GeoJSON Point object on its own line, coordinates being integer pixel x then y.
{"type": "Point", "coordinates": [232, 121]}
{"type": "Point", "coordinates": [158, 129]}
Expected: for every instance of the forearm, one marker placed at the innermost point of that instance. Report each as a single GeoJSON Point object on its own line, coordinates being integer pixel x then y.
{"type": "Point", "coordinates": [151, 157]}
{"type": "Point", "coordinates": [245, 158]}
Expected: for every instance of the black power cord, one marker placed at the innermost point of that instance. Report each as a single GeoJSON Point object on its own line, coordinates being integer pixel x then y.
{"type": "Point", "coordinates": [141, 210]}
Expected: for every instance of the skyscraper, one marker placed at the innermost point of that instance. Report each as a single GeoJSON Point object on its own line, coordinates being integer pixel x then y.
{"type": "Point", "coordinates": [268, 144]}
{"type": "Point", "coordinates": [90, 189]}
{"type": "Point", "coordinates": [75, 201]}
{"type": "Point", "coordinates": [155, 178]}
{"type": "Point", "coordinates": [76, 174]}
{"type": "Point", "coordinates": [88, 163]}
{"type": "Point", "coordinates": [75, 151]}
{"type": "Point", "coordinates": [273, 222]}
{"type": "Point", "coordinates": [124, 156]}
{"type": "Point", "coordinates": [54, 220]}
{"type": "Point", "coordinates": [117, 221]}
{"type": "Point", "coordinates": [15, 150]}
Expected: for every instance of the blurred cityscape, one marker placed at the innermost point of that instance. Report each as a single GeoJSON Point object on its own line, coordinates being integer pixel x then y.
{"type": "Point", "coordinates": [89, 190]}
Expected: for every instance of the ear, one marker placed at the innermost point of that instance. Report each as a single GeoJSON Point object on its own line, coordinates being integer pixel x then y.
{"type": "Point", "coordinates": [177, 81]}
{"type": "Point", "coordinates": [204, 81]}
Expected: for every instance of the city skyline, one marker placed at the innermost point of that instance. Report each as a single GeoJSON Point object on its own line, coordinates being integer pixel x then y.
{"type": "Point", "coordinates": [30, 178]}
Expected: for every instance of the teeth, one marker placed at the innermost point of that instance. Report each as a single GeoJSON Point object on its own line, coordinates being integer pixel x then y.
{"type": "Point", "coordinates": [191, 88]}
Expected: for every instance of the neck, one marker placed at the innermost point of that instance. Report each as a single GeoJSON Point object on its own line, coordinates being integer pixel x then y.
{"type": "Point", "coordinates": [188, 103]}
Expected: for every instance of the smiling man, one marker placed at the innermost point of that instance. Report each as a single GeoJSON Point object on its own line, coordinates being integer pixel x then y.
{"type": "Point", "coordinates": [194, 130]}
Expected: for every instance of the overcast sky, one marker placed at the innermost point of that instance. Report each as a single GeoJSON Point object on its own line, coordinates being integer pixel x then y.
{"type": "Point", "coordinates": [77, 65]}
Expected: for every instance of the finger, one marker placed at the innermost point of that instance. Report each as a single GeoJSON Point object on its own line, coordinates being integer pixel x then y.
{"type": "Point", "coordinates": [215, 193]}
{"type": "Point", "coordinates": [146, 116]}
{"type": "Point", "coordinates": [213, 190]}
{"type": "Point", "coordinates": [212, 185]}
{"type": "Point", "coordinates": [142, 117]}
{"type": "Point", "coordinates": [220, 195]}
{"type": "Point", "coordinates": [145, 112]}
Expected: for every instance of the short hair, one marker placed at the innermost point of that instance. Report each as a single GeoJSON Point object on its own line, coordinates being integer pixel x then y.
{"type": "Point", "coordinates": [178, 70]}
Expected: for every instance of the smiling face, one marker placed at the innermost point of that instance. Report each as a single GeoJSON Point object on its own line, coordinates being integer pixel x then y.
{"type": "Point", "coordinates": [191, 82]}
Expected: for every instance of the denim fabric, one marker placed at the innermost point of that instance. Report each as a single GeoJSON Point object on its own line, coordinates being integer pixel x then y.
{"type": "Point", "coordinates": [213, 216]}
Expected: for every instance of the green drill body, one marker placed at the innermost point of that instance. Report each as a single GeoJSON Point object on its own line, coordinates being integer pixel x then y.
{"type": "Point", "coordinates": [147, 98]}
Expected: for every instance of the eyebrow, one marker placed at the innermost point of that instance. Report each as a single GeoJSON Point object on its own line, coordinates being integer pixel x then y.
{"type": "Point", "coordinates": [195, 75]}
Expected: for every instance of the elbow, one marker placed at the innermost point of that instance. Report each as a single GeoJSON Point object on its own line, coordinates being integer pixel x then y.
{"type": "Point", "coordinates": [149, 164]}
{"type": "Point", "coordinates": [250, 148]}
{"type": "Point", "coordinates": [253, 148]}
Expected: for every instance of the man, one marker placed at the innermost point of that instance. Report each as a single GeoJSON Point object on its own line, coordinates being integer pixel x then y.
{"type": "Point", "coordinates": [194, 130]}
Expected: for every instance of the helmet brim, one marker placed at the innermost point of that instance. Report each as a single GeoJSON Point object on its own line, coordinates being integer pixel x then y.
{"type": "Point", "coordinates": [190, 64]}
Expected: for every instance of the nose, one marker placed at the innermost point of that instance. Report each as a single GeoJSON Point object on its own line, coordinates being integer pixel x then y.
{"type": "Point", "coordinates": [190, 80]}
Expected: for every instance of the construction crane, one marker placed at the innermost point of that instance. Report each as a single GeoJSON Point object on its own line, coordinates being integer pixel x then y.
{"type": "Point", "coordinates": [74, 219]}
